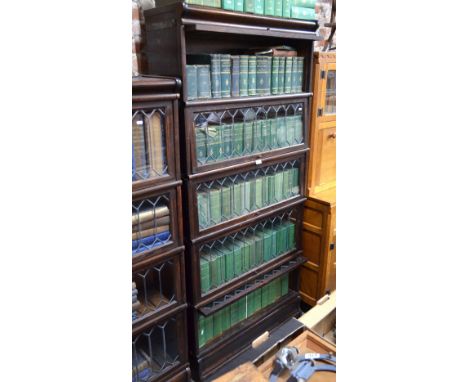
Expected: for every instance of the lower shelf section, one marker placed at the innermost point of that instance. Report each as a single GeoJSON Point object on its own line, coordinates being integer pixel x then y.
{"type": "Point", "coordinates": [208, 359]}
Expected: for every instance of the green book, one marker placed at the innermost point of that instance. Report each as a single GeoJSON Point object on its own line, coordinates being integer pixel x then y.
{"type": "Point", "coordinates": [291, 229]}
{"type": "Point", "coordinates": [237, 258]}
{"type": "Point", "coordinates": [270, 194]}
{"type": "Point", "coordinates": [234, 313]}
{"type": "Point", "coordinates": [248, 137]}
{"type": "Point", "coordinates": [239, 5]}
{"type": "Point", "coordinates": [302, 13]}
{"type": "Point", "coordinates": [203, 209]}
{"type": "Point", "coordinates": [266, 134]}
{"type": "Point", "coordinates": [258, 299]}
{"type": "Point", "coordinates": [265, 296]}
{"type": "Point", "coordinates": [226, 318]}
{"type": "Point", "coordinates": [200, 144]}
{"type": "Point", "coordinates": [290, 130]}
{"type": "Point", "coordinates": [259, 7]}
{"type": "Point", "coordinates": [259, 250]}
{"type": "Point", "coordinates": [250, 250]}
{"type": "Point", "coordinates": [276, 289]}
{"type": "Point", "coordinates": [281, 64]}
{"type": "Point", "coordinates": [288, 75]}
{"type": "Point", "coordinates": [214, 3]}
{"type": "Point", "coordinates": [279, 8]}
{"type": "Point", "coordinates": [205, 329]}
{"type": "Point", "coordinates": [257, 136]}
{"type": "Point", "coordinates": [235, 76]}
{"type": "Point", "coordinates": [274, 75]}
{"type": "Point", "coordinates": [251, 307]}
{"type": "Point", "coordinates": [273, 133]}
{"type": "Point", "coordinates": [278, 194]}
{"type": "Point", "coordinates": [205, 282]}
{"type": "Point", "coordinates": [252, 87]}
{"type": "Point", "coordinates": [203, 81]}
{"type": "Point", "coordinates": [238, 139]}
{"type": "Point", "coordinates": [263, 75]}
{"type": "Point", "coordinates": [249, 6]}
{"type": "Point", "coordinates": [215, 206]}
{"type": "Point", "coordinates": [294, 75]}
{"type": "Point", "coordinates": [274, 251]}
{"type": "Point", "coordinates": [304, 3]}
{"type": "Point", "coordinates": [280, 131]}
{"type": "Point", "coordinates": [217, 323]}
{"type": "Point", "coordinates": [225, 75]}
{"type": "Point", "coordinates": [283, 233]}
{"type": "Point", "coordinates": [226, 209]}
{"type": "Point", "coordinates": [286, 185]}
{"type": "Point", "coordinates": [294, 180]}
{"type": "Point", "coordinates": [228, 253]}
{"type": "Point", "coordinates": [298, 135]}
{"type": "Point", "coordinates": [227, 137]}
{"type": "Point", "coordinates": [284, 285]}
{"type": "Point", "coordinates": [217, 268]}
{"type": "Point", "coordinates": [259, 192]}
{"type": "Point", "coordinates": [215, 75]}
{"type": "Point", "coordinates": [228, 4]}
{"type": "Point", "coordinates": [192, 92]}
{"type": "Point", "coordinates": [287, 8]}
{"type": "Point", "coordinates": [238, 206]}
{"type": "Point", "coordinates": [214, 147]}
{"type": "Point", "coordinates": [269, 7]}
{"type": "Point", "coordinates": [245, 249]}
{"type": "Point", "coordinates": [300, 74]}
{"type": "Point", "coordinates": [244, 76]}
{"type": "Point", "coordinates": [242, 303]}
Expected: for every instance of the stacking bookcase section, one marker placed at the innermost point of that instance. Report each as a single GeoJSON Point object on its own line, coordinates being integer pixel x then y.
{"type": "Point", "coordinates": [221, 136]}
{"type": "Point", "coordinates": [159, 351]}
{"type": "Point", "coordinates": [155, 156]}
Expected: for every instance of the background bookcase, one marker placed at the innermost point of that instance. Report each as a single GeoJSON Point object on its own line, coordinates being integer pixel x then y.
{"type": "Point", "coordinates": [159, 351]}
{"type": "Point", "coordinates": [223, 320]}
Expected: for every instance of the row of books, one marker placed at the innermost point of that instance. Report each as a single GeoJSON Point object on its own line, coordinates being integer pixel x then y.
{"type": "Point", "coordinates": [226, 76]}
{"type": "Point", "coordinates": [224, 203]}
{"type": "Point", "coordinates": [222, 263]}
{"type": "Point", "coordinates": [225, 141]}
{"type": "Point", "coordinates": [294, 9]}
{"type": "Point", "coordinates": [150, 228]}
{"type": "Point", "coordinates": [212, 326]}
{"type": "Point", "coordinates": [148, 146]}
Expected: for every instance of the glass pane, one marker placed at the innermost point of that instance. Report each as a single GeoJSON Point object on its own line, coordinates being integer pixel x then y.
{"type": "Point", "coordinates": [149, 158]}
{"type": "Point", "coordinates": [330, 97]}
{"type": "Point", "coordinates": [229, 197]}
{"type": "Point", "coordinates": [236, 133]}
{"type": "Point", "coordinates": [150, 223]}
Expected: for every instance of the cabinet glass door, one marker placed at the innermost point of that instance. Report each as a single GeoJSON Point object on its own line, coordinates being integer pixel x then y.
{"type": "Point", "coordinates": [330, 94]}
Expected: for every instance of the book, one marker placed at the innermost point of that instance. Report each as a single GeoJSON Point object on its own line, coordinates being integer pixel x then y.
{"type": "Point", "coordinates": [228, 252]}
{"type": "Point", "coordinates": [226, 318]}
{"type": "Point", "coordinates": [257, 294]}
{"type": "Point", "coordinates": [266, 134]}
{"type": "Point", "coordinates": [298, 135]}
{"type": "Point", "coordinates": [259, 7]}
{"type": "Point", "coordinates": [215, 206]}
{"type": "Point", "coordinates": [227, 135]}
{"type": "Point", "coordinates": [212, 3]}
{"type": "Point", "coordinates": [235, 76]}
{"type": "Point", "coordinates": [263, 75]}
{"type": "Point", "coordinates": [258, 136]}
{"type": "Point", "coordinates": [205, 281]}
{"type": "Point", "coordinates": [237, 253]}
{"type": "Point", "coordinates": [278, 193]}
{"type": "Point", "coordinates": [248, 137]}
{"type": "Point", "coordinates": [252, 87]}
{"type": "Point", "coordinates": [274, 75]}
{"type": "Point", "coordinates": [226, 210]}
{"type": "Point", "coordinates": [200, 145]}
{"type": "Point", "coordinates": [205, 329]}
{"type": "Point", "coordinates": [242, 312]}
{"type": "Point", "coordinates": [274, 250]}
{"type": "Point", "coordinates": [214, 147]}
{"type": "Point", "coordinates": [225, 75]}
{"type": "Point", "coordinates": [249, 6]}
{"type": "Point", "coordinates": [250, 304]}
{"type": "Point", "coordinates": [281, 131]}
{"type": "Point", "coordinates": [217, 268]}
{"type": "Point", "coordinates": [244, 76]}
{"type": "Point", "coordinates": [287, 8]}
{"type": "Point", "coordinates": [238, 206]}
{"type": "Point", "coordinates": [156, 147]}
{"type": "Point", "coordinates": [302, 13]}
{"type": "Point", "coordinates": [279, 8]}
{"type": "Point", "coordinates": [238, 139]}
{"type": "Point", "coordinates": [192, 90]}
{"type": "Point", "coordinates": [273, 133]}
{"type": "Point", "coordinates": [239, 5]}
{"type": "Point", "coordinates": [259, 255]}
{"type": "Point", "coordinates": [138, 147]}
{"type": "Point", "coordinates": [228, 4]}
{"type": "Point", "coordinates": [300, 74]}
{"type": "Point", "coordinates": [284, 285]}
{"type": "Point", "coordinates": [291, 229]}
{"type": "Point", "coordinates": [304, 3]}
{"type": "Point", "coordinates": [149, 232]}
{"type": "Point", "coordinates": [281, 65]}
{"type": "Point", "coordinates": [294, 75]}
{"type": "Point", "coordinates": [250, 242]}
{"type": "Point", "coordinates": [245, 251]}
{"type": "Point", "coordinates": [295, 180]}
{"type": "Point", "coordinates": [149, 214]}
{"type": "Point", "coordinates": [288, 75]}
{"type": "Point", "coordinates": [286, 185]}
{"type": "Point", "coordinates": [215, 60]}
{"type": "Point", "coordinates": [259, 192]}
{"type": "Point", "coordinates": [269, 8]}
{"type": "Point", "coordinates": [217, 323]}
{"type": "Point", "coordinates": [270, 197]}
{"type": "Point", "coordinates": [290, 130]}
{"type": "Point", "coordinates": [265, 296]}
{"type": "Point", "coordinates": [203, 82]}
{"type": "Point", "coordinates": [234, 313]}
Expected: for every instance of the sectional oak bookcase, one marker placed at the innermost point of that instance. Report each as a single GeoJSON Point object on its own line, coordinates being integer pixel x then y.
{"type": "Point", "coordinates": [231, 306]}
{"type": "Point", "coordinates": [159, 346]}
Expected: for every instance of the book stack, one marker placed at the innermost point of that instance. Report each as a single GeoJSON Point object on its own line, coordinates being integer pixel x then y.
{"type": "Point", "coordinates": [148, 146]}
{"type": "Point", "coordinates": [222, 263]}
{"type": "Point", "coordinates": [135, 303]}
{"type": "Point", "coordinates": [226, 76]}
{"type": "Point", "coordinates": [236, 199]}
{"type": "Point", "coordinates": [230, 140]}
{"type": "Point", "coordinates": [150, 228]}
{"type": "Point", "coordinates": [212, 326]}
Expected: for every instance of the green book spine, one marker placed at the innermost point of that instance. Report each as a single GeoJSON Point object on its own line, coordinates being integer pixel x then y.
{"type": "Point", "coordinates": [280, 131]}
{"type": "Point", "coordinates": [238, 140]}
{"type": "Point", "coordinates": [239, 5]}
{"type": "Point", "coordinates": [284, 238]}
{"type": "Point", "coordinates": [213, 3]}
{"type": "Point", "coordinates": [266, 134]}
{"type": "Point", "coordinates": [248, 137]}
{"type": "Point", "coordinates": [201, 331]}
{"type": "Point", "coordinates": [270, 195]}
{"type": "Point", "coordinates": [228, 4]}
{"type": "Point", "coordinates": [267, 246]}
{"type": "Point", "coordinates": [238, 261]}
{"type": "Point", "coordinates": [208, 328]}
{"type": "Point", "coordinates": [226, 204]}
{"type": "Point", "coordinates": [295, 180]}
{"type": "Point", "coordinates": [278, 195]}
{"type": "Point", "coordinates": [258, 299]}
{"type": "Point", "coordinates": [225, 75]}
{"type": "Point", "coordinates": [279, 8]}
{"type": "Point", "coordinates": [284, 285]}
{"type": "Point", "coordinates": [215, 75]}
{"type": "Point", "coordinates": [298, 133]}
{"type": "Point", "coordinates": [288, 74]}
{"type": "Point", "coordinates": [215, 206]}
{"type": "Point", "coordinates": [257, 136]}
{"type": "Point", "coordinates": [302, 13]}
{"type": "Point", "coordinates": [286, 185]}
{"type": "Point", "coordinates": [263, 75]}
{"type": "Point", "coordinates": [200, 138]}
{"type": "Point", "coordinates": [242, 308]}
{"type": "Point", "coordinates": [259, 192]}
{"type": "Point", "coordinates": [300, 74]}
{"type": "Point", "coordinates": [250, 304]}
{"type": "Point", "coordinates": [258, 249]}
{"type": "Point", "coordinates": [214, 147]}
{"type": "Point", "coordinates": [279, 240]}
{"type": "Point", "coordinates": [217, 323]}
{"type": "Point", "coordinates": [238, 206]}
{"type": "Point", "coordinates": [304, 3]}
{"type": "Point", "coordinates": [244, 76]}
{"type": "Point", "coordinates": [252, 256]}
{"type": "Point", "coordinates": [274, 75]}
{"type": "Point", "coordinates": [259, 7]}
{"type": "Point", "coordinates": [253, 195]}
{"type": "Point", "coordinates": [287, 8]}
{"type": "Point", "coordinates": [252, 87]}
{"type": "Point", "coordinates": [291, 236]}
{"type": "Point", "coordinates": [277, 288]}
{"type": "Point", "coordinates": [203, 209]}
{"type": "Point", "coordinates": [203, 81]}
{"type": "Point", "coordinates": [290, 130]}
{"type": "Point", "coordinates": [204, 274]}
{"type": "Point", "coordinates": [228, 252]}
{"type": "Point", "coordinates": [221, 268]}
{"type": "Point", "coordinates": [245, 256]}
{"type": "Point", "coordinates": [265, 296]}
{"type": "Point", "coordinates": [269, 7]}
{"type": "Point", "coordinates": [274, 250]}
{"type": "Point", "coordinates": [249, 6]}
{"type": "Point", "coordinates": [226, 316]}
{"type": "Point", "coordinates": [282, 61]}
{"type": "Point", "coordinates": [273, 134]}
{"type": "Point", "coordinates": [235, 76]}
{"type": "Point", "coordinates": [227, 136]}
{"type": "Point", "coordinates": [234, 313]}
{"type": "Point", "coordinates": [294, 75]}
{"type": "Point", "coordinates": [192, 91]}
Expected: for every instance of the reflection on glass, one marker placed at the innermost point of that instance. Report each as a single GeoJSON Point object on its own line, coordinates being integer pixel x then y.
{"type": "Point", "coordinates": [330, 97]}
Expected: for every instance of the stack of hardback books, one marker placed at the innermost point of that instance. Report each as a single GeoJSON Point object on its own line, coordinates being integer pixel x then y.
{"type": "Point", "coordinates": [217, 204]}
{"type": "Point", "coordinates": [294, 9]}
{"type": "Point", "coordinates": [212, 326]}
{"type": "Point", "coordinates": [215, 142]}
{"type": "Point", "coordinates": [222, 263]}
{"type": "Point", "coordinates": [150, 228]}
{"type": "Point", "coordinates": [272, 72]}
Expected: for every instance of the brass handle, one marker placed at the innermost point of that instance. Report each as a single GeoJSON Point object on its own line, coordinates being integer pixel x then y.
{"type": "Point", "coordinates": [332, 136]}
